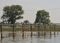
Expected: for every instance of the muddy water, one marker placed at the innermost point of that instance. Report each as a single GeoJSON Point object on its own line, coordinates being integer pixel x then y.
{"type": "Point", "coordinates": [44, 37]}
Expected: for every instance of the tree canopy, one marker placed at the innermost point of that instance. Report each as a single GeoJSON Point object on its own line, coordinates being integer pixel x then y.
{"type": "Point", "coordinates": [12, 13]}
{"type": "Point", "coordinates": [26, 22]}
{"type": "Point", "coordinates": [42, 16]}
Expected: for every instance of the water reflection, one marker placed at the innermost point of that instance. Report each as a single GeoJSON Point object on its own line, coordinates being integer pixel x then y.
{"type": "Point", "coordinates": [19, 37]}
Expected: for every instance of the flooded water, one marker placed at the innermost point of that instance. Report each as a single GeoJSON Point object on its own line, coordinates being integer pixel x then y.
{"type": "Point", "coordinates": [42, 37]}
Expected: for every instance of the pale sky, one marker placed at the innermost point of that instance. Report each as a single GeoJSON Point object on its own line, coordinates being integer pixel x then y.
{"type": "Point", "coordinates": [31, 7]}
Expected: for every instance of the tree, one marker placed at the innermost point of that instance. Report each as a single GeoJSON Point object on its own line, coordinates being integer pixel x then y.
{"type": "Point", "coordinates": [26, 22]}
{"type": "Point", "coordinates": [42, 16]}
{"type": "Point", "coordinates": [12, 13]}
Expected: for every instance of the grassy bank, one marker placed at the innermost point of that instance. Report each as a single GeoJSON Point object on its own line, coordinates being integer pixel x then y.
{"type": "Point", "coordinates": [29, 28]}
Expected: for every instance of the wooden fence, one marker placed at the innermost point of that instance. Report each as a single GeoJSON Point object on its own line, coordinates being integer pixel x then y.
{"type": "Point", "coordinates": [27, 27]}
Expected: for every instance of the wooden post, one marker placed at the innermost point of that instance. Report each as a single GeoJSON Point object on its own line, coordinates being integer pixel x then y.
{"type": "Point", "coordinates": [54, 29]}
{"type": "Point", "coordinates": [50, 30]}
{"type": "Point", "coordinates": [13, 32]}
{"type": "Point", "coordinates": [44, 31]}
{"type": "Point", "coordinates": [38, 30]}
{"type": "Point", "coordinates": [31, 29]}
{"type": "Point", "coordinates": [22, 31]}
{"type": "Point", "coordinates": [1, 33]}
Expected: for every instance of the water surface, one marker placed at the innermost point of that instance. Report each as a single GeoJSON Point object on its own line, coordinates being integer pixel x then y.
{"type": "Point", "coordinates": [44, 37]}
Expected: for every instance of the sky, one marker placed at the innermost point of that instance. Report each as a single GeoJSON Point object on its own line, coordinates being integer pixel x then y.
{"type": "Point", "coordinates": [31, 7]}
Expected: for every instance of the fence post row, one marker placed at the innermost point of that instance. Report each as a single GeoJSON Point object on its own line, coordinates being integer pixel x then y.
{"type": "Point", "coordinates": [51, 28]}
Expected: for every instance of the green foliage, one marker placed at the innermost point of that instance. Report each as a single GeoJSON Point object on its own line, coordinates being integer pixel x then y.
{"type": "Point", "coordinates": [26, 22]}
{"type": "Point", "coordinates": [12, 13]}
{"type": "Point", "coordinates": [42, 16]}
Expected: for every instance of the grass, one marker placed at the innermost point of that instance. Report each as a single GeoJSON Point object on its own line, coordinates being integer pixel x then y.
{"type": "Point", "coordinates": [28, 28]}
